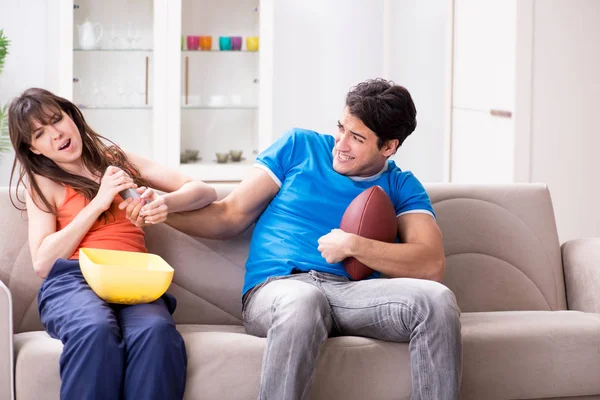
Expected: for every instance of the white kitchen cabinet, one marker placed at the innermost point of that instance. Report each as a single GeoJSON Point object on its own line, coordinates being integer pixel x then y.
{"type": "Point", "coordinates": [138, 84]}
{"type": "Point", "coordinates": [217, 98]}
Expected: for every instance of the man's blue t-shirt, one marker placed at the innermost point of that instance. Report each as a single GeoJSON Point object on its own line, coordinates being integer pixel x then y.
{"type": "Point", "coordinates": [310, 203]}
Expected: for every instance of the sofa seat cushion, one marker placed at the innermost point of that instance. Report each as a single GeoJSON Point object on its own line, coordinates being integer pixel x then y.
{"type": "Point", "coordinates": [227, 366]}
{"type": "Point", "coordinates": [518, 355]}
{"type": "Point", "coordinates": [37, 355]}
{"type": "Point", "coordinates": [36, 366]}
{"type": "Point", "coordinates": [530, 354]}
{"type": "Point", "coordinates": [224, 363]}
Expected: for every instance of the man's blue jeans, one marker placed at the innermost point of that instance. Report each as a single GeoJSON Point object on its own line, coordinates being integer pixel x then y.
{"type": "Point", "coordinates": [296, 314]}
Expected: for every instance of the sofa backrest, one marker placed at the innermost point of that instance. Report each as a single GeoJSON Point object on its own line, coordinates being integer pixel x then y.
{"type": "Point", "coordinates": [501, 245]}
{"type": "Point", "coordinates": [501, 248]}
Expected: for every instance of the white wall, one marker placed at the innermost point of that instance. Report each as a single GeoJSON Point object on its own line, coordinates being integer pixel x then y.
{"type": "Point", "coordinates": [25, 24]}
{"type": "Point", "coordinates": [419, 60]}
{"type": "Point", "coordinates": [323, 48]}
{"type": "Point", "coordinates": [565, 102]}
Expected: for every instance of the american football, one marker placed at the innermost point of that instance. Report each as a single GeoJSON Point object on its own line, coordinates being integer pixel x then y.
{"type": "Point", "coordinates": [371, 215]}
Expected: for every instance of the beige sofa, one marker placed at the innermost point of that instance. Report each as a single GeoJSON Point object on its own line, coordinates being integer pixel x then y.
{"type": "Point", "coordinates": [530, 322]}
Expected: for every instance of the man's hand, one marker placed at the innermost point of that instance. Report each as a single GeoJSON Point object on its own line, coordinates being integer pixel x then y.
{"type": "Point", "coordinates": [148, 209]}
{"type": "Point", "coordinates": [336, 245]}
{"type": "Point", "coordinates": [132, 207]}
{"type": "Point", "coordinates": [156, 209]}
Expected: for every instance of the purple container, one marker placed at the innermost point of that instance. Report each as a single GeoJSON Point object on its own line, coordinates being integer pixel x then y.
{"type": "Point", "coordinates": [236, 43]}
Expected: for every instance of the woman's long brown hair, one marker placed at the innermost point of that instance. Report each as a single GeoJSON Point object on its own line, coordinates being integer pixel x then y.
{"type": "Point", "coordinates": [42, 106]}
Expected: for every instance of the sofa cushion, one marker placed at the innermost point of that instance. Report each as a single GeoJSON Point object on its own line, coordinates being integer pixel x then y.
{"type": "Point", "coordinates": [530, 354]}
{"type": "Point", "coordinates": [501, 245]}
{"type": "Point", "coordinates": [224, 363]}
{"type": "Point", "coordinates": [517, 355]}
{"type": "Point", "coordinates": [36, 365]}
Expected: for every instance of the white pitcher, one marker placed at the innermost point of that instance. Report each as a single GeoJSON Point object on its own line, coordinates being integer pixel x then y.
{"type": "Point", "coordinates": [88, 39]}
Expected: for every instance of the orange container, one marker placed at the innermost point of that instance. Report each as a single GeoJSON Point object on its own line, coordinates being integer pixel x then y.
{"type": "Point", "coordinates": [205, 42]}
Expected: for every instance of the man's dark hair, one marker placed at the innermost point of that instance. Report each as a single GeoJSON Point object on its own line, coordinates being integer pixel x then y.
{"type": "Point", "coordinates": [385, 108]}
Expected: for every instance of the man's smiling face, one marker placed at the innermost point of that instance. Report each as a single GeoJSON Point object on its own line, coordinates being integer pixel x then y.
{"type": "Point", "coordinates": [356, 152]}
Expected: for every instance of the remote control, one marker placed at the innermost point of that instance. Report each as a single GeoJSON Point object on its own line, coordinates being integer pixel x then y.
{"type": "Point", "coordinates": [129, 194]}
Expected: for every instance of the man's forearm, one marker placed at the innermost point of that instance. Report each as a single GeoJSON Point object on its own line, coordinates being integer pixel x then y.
{"type": "Point", "coordinates": [231, 216]}
{"type": "Point", "coordinates": [399, 260]}
{"type": "Point", "coordinates": [212, 222]}
{"type": "Point", "coordinates": [191, 196]}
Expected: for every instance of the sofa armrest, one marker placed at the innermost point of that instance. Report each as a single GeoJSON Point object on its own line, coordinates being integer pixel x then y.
{"type": "Point", "coordinates": [581, 263]}
{"type": "Point", "coordinates": [6, 344]}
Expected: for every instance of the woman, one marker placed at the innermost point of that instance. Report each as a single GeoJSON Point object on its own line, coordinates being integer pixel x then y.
{"type": "Point", "coordinates": [72, 180]}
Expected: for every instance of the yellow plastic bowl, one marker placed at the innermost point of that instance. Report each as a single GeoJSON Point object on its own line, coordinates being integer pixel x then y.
{"type": "Point", "coordinates": [125, 277]}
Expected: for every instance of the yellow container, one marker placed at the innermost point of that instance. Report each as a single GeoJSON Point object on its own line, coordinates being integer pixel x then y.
{"type": "Point", "coordinates": [252, 43]}
{"type": "Point", "coordinates": [125, 277]}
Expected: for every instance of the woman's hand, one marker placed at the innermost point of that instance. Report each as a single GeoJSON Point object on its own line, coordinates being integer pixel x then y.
{"type": "Point", "coordinates": [113, 181]}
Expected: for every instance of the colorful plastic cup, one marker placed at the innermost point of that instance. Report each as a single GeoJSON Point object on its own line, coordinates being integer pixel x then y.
{"type": "Point", "coordinates": [192, 42]}
{"type": "Point", "coordinates": [236, 43]}
{"type": "Point", "coordinates": [225, 43]}
{"type": "Point", "coordinates": [252, 43]}
{"type": "Point", "coordinates": [205, 42]}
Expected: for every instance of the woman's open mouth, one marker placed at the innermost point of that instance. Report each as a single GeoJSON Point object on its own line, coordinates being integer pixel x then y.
{"type": "Point", "coordinates": [65, 145]}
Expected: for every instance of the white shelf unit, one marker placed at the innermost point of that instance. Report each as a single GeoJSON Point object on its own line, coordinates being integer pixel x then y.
{"type": "Point", "coordinates": [113, 82]}
{"type": "Point", "coordinates": [224, 109]}
{"type": "Point", "coordinates": [218, 102]}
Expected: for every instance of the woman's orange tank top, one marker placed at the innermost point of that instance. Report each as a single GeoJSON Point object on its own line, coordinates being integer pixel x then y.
{"type": "Point", "coordinates": [115, 232]}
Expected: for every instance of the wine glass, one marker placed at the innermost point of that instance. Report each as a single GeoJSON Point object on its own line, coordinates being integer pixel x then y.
{"type": "Point", "coordinates": [122, 94]}
{"type": "Point", "coordinates": [133, 34]}
{"type": "Point", "coordinates": [114, 37]}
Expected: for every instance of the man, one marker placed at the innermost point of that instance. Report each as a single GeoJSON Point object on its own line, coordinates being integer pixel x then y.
{"type": "Point", "coordinates": [296, 290]}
